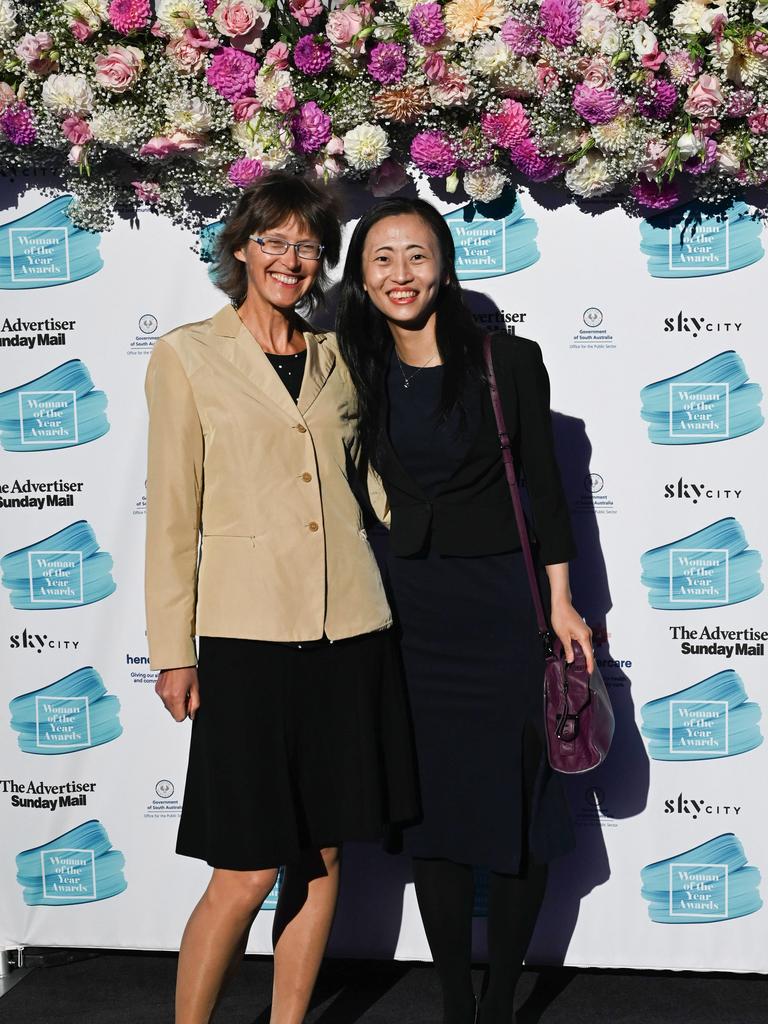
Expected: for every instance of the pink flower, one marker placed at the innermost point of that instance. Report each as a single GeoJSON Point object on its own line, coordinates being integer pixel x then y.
{"type": "Point", "coordinates": [244, 21]}
{"type": "Point", "coordinates": [633, 10]}
{"type": "Point", "coordinates": [311, 128]}
{"type": "Point", "coordinates": [758, 121]}
{"type": "Point", "coordinates": [305, 11]}
{"type": "Point", "coordinates": [284, 100]}
{"type": "Point", "coordinates": [343, 24]}
{"type": "Point", "coordinates": [17, 123]}
{"type": "Point", "coordinates": [426, 22]}
{"type": "Point", "coordinates": [507, 128]}
{"type": "Point", "coordinates": [232, 73]}
{"type": "Point", "coordinates": [187, 57]}
{"type": "Point", "coordinates": [146, 191]}
{"type": "Point", "coordinates": [597, 72]}
{"type": "Point", "coordinates": [129, 15]}
{"type": "Point", "coordinates": [682, 68]}
{"type": "Point", "coordinates": [656, 153]}
{"type": "Point", "coordinates": [652, 61]}
{"type": "Point", "coordinates": [522, 39]}
{"type": "Point", "coordinates": [335, 146]}
{"type": "Point", "coordinates": [758, 43]}
{"type": "Point", "coordinates": [655, 196]}
{"type": "Point", "coordinates": [709, 126]}
{"type": "Point", "coordinates": [740, 103]}
{"type": "Point", "coordinates": [277, 56]}
{"type": "Point", "coordinates": [34, 50]}
{"type": "Point", "coordinates": [119, 68]}
{"type": "Point", "coordinates": [387, 179]}
{"type": "Point", "coordinates": [161, 146]}
{"type": "Point", "coordinates": [211, 5]}
{"type": "Point", "coordinates": [561, 21]}
{"type": "Point", "coordinates": [81, 30]}
{"type": "Point", "coordinates": [7, 96]}
{"type": "Point", "coordinates": [245, 171]}
{"type": "Point", "coordinates": [387, 63]}
{"type": "Point", "coordinates": [547, 78]}
{"type": "Point", "coordinates": [660, 101]}
{"type": "Point", "coordinates": [433, 153]}
{"type": "Point", "coordinates": [526, 157]}
{"type": "Point", "coordinates": [704, 97]}
{"type": "Point", "coordinates": [76, 130]}
{"type": "Point", "coordinates": [312, 55]}
{"type": "Point", "coordinates": [245, 108]}
{"type": "Point", "coordinates": [596, 106]}
{"type": "Point", "coordinates": [435, 67]}
{"type": "Point", "coordinates": [451, 90]}
{"type": "Point", "coordinates": [77, 156]}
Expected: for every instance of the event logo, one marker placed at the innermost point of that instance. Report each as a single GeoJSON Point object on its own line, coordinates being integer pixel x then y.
{"type": "Point", "coordinates": [710, 402]}
{"type": "Point", "coordinates": [43, 796]}
{"type": "Point", "coordinates": [592, 335]}
{"type": "Point", "coordinates": [712, 567]}
{"type": "Point", "coordinates": [689, 243]}
{"type": "Point", "coordinates": [144, 342]}
{"type": "Point", "coordinates": [711, 882]}
{"type": "Point", "coordinates": [492, 246]}
{"type": "Point", "coordinates": [73, 713]}
{"type": "Point", "coordinates": [723, 643]}
{"type": "Point", "coordinates": [695, 809]}
{"type": "Point", "coordinates": [39, 642]}
{"type": "Point", "coordinates": [695, 493]}
{"type": "Point", "coordinates": [594, 499]}
{"type": "Point", "coordinates": [712, 718]}
{"type": "Point", "coordinates": [696, 325]}
{"type": "Point", "coordinates": [40, 494]}
{"type": "Point", "coordinates": [499, 320]}
{"type": "Point", "coordinates": [163, 804]}
{"type": "Point", "coordinates": [44, 248]}
{"type": "Point", "coordinates": [79, 866]}
{"type": "Point", "coordinates": [27, 334]}
{"type": "Point", "coordinates": [594, 811]}
{"type": "Point", "coordinates": [61, 409]}
{"type": "Point", "coordinates": [59, 571]}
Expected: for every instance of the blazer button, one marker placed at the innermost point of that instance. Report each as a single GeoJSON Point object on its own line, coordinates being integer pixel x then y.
{"type": "Point", "coordinates": [313, 526]}
{"type": "Point", "coordinates": [306, 477]}
{"type": "Point", "coordinates": [301, 428]}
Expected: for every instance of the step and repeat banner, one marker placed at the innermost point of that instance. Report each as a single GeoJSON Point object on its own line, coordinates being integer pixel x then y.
{"type": "Point", "coordinates": [653, 335]}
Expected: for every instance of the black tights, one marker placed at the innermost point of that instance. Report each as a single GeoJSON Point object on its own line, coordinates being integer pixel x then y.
{"type": "Point", "coordinates": [445, 892]}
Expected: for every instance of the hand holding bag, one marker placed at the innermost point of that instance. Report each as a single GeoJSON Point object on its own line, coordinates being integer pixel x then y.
{"type": "Point", "coordinates": [578, 717]}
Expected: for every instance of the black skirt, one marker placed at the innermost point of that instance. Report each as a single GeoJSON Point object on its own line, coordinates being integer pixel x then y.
{"type": "Point", "coordinates": [295, 748]}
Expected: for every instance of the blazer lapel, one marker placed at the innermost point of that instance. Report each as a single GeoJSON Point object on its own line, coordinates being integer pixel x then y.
{"type": "Point", "coordinates": [320, 361]}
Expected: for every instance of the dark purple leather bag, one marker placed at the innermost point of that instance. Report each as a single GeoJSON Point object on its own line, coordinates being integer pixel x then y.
{"type": "Point", "coordinates": [578, 718]}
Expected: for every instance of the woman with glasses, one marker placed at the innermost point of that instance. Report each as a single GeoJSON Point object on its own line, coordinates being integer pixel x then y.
{"type": "Point", "coordinates": [300, 736]}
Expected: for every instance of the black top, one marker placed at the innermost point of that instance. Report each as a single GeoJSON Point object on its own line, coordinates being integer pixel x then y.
{"type": "Point", "coordinates": [470, 512]}
{"type": "Point", "coordinates": [290, 370]}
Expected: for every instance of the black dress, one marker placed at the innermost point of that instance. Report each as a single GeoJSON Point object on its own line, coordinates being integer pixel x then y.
{"type": "Point", "coordinates": [295, 746]}
{"type": "Point", "coordinates": [473, 659]}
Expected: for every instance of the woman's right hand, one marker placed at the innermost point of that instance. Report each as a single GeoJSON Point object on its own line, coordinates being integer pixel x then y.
{"type": "Point", "coordinates": [179, 691]}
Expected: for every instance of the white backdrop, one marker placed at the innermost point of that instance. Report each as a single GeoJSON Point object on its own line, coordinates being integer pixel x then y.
{"type": "Point", "coordinates": [671, 846]}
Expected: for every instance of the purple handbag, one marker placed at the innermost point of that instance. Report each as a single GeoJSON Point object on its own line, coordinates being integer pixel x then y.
{"type": "Point", "coordinates": [578, 717]}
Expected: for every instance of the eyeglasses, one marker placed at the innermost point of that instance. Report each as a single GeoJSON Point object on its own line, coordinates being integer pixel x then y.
{"type": "Point", "coordinates": [279, 246]}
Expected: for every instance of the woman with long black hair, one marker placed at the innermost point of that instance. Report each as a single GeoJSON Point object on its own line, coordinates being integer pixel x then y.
{"type": "Point", "coordinates": [472, 654]}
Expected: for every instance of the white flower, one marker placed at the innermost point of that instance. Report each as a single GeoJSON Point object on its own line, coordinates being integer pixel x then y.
{"type": "Point", "coordinates": [707, 19]}
{"type": "Point", "coordinates": [7, 19]}
{"type": "Point", "coordinates": [616, 135]}
{"type": "Point", "coordinates": [92, 12]}
{"type": "Point", "coordinates": [113, 127]}
{"type": "Point", "coordinates": [687, 17]}
{"type": "Point", "coordinates": [189, 114]}
{"type": "Point", "coordinates": [491, 56]}
{"type": "Point", "coordinates": [265, 138]}
{"type": "Point", "coordinates": [67, 94]}
{"type": "Point", "coordinates": [594, 22]}
{"type": "Point", "coordinates": [688, 145]}
{"type": "Point", "coordinates": [729, 154]}
{"type": "Point", "coordinates": [175, 16]}
{"type": "Point", "coordinates": [643, 40]}
{"type": "Point", "coordinates": [406, 6]}
{"type": "Point", "coordinates": [366, 146]}
{"type": "Point", "coordinates": [590, 176]}
{"type": "Point", "coordinates": [611, 41]}
{"type": "Point", "coordinates": [760, 12]}
{"type": "Point", "coordinates": [269, 82]}
{"type": "Point", "coordinates": [518, 79]}
{"type": "Point", "coordinates": [485, 184]}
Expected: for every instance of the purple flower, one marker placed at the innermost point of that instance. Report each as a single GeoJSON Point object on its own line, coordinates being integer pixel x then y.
{"type": "Point", "coordinates": [740, 103]}
{"type": "Point", "coordinates": [702, 163]}
{"type": "Point", "coordinates": [508, 127]}
{"type": "Point", "coordinates": [561, 21]}
{"type": "Point", "coordinates": [433, 153]}
{"type": "Point", "coordinates": [129, 15]}
{"type": "Point", "coordinates": [312, 55]}
{"type": "Point", "coordinates": [523, 40]}
{"type": "Point", "coordinates": [311, 128]}
{"type": "Point", "coordinates": [232, 73]}
{"type": "Point", "coordinates": [18, 125]}
{"type": "Point", "coordinates": [427, 23]}
{"type": "Point", "coordinates": [387, 63]}
{"type": "Point", "coordinates": [655, 196]}
{"type": "Point", "coordinates": [596, 106]}
{"type": "Point", "coordinates": [245, 171]}
{"type": "Point", "coordinates": [661, 102]}
{"type": "Point", "coordinates": [526, 157]}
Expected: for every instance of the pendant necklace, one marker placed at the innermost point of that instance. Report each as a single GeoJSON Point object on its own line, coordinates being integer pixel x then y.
{"type": "Point", "coordinates": [407, 378]}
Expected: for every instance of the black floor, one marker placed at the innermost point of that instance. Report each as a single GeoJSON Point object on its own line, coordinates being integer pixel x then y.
{"type": "Point", "coordinates": [138, 989]}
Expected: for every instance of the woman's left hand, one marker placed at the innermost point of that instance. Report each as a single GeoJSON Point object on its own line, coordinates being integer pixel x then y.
{"type": "Point", "coordinates": [570, 626]}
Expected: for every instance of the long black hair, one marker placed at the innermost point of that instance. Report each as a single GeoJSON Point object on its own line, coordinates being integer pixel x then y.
{"type": "Point", "coordinates": [366, 341]}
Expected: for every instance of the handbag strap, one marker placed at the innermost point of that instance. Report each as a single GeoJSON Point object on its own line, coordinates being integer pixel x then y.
{"type": "Point", "coordinates": [509, 469]}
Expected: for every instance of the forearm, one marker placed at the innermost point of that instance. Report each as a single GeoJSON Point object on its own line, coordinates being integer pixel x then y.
{"type": "Point", "coordinates": [559, 584]}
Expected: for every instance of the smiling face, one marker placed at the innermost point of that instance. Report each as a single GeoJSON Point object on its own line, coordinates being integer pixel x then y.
{"type": "Point", "coordinates": [280, 281]}
{"type": "Point", "coordinates": [402, 269]}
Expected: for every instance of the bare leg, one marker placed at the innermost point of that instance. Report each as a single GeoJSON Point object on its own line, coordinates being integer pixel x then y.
{"type": "Point", "coordinates": [215, 936]}
{"type": "Point", "coordinates": [302, 924]}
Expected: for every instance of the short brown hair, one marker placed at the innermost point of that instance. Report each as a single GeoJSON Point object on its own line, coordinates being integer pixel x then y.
{"type": "Point", "coordinates": [269, 201]}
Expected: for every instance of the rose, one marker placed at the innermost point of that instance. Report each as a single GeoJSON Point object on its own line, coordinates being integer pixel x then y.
{"type": "Point", "coordinates": [167, 145]}
{"type": "Point", "coordinates": [435, 67]}
{"type": "Point", "coordinates": [284, 100]}
{"type": "Point", "coordinates": [119, 68]}
{"type": "Point", "coordinates": [453, 90]}
{"type": "Point", "coordinates": [244, 21]}
{"type": "Point", "coordinates": [80, 30]}
{"type": "Point", "coordinates": [278, 56]}
{"type": "Point", "coordinates": [597, 73]}
{"type": "Point", "coordinates": [704, 97]}
{"type": "Point", "coordinates": [245, 108]}
{"type": "Point", "coordinates": [546, 78]}
{"type": "Point", "coordinates": [185, 57]}
{"type": "Point", "coordinates": [76, 130]}
{"type": "Point", "coordinates": [343, 25]}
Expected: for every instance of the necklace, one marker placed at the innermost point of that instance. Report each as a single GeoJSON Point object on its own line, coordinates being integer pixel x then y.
{"type": "Point", "coordinates": [407, 378]}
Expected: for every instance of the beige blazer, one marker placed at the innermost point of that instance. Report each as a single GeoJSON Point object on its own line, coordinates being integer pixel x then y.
{"type": "Point", "coordinates": [252, 528]}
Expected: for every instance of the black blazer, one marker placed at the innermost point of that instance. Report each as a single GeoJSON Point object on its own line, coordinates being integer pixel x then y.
{"type": "Point", "coordinates": [472, 514]}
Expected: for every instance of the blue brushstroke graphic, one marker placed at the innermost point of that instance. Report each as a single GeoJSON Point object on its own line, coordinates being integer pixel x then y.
{"type": "Point", "coordinates": [492, 246]}
{"type": "Point", "coordinates": [712, 567]}
{"type": "Point", "coordinates": [713, 401]}
{"type": "Point", "coordinates": [73, 713]}
{"type": "Point", "coordinates": [711, 718]}
{"type": "Point", "coordinates": [44, 248]}
{"type": "Point", "coordinates": [688, 243]}
{"type": "Point", "coordinates": [208, 238]}
{"type": "Point", "coordinates": [711, 882]}
{"type": "Point", "coordinates": [270, 903]}
{"type": "Point", "coordinates": [79, 866]}
{"type": "Point", "coordinates": [59, 571]}
{"type": "Point", "coordinates": [60, 409]}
